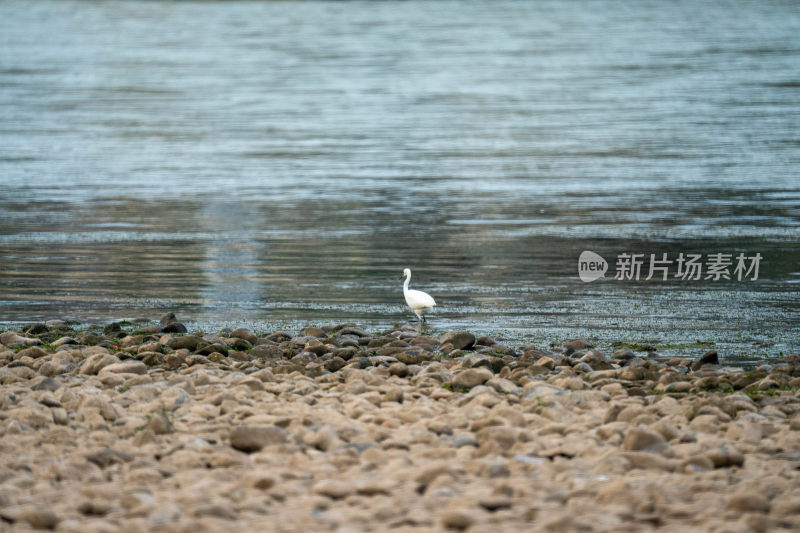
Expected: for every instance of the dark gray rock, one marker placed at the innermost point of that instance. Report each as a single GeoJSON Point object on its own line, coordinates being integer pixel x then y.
{"type": "Point", "coordinates": [576, 344]}
{"type": "Point", "coordinates": [334, 364]}
{"type": "Point", "coordinates": [623, 353]}
{"type": "Point", "coordinates": [188, 342]}
{"type": "Point", "coordinates": [708, 358]}
{"type": "Point", "coordinates": [245, 334]}
{"type": "Point", "coordinates": [90, 339]}
{"type": "Point", "coordinates": [316, 347]}
{"type": "Point", "coordinates": [114, 329]}
{"type": "Point", "coordinates": [279, 336]}
{"type": "Point", "coordinates": [239, 344]}
{"type": "Point", "coordinates": [345, 353]}
{"type": "Point", "coordinates": [461, 340]}
{"type": "Point", "coordinates": [37, 329]}
{"type": "Point", "coordinates": [484, 341]}
{"type": "Point", "coordinates": [207, 348]}
{"type": "Point", "coordinates": [495, 364]}
{"type": "Point", "coordinates": [353, 331]}
{"type": "Point", "coordinates": [174, 327]}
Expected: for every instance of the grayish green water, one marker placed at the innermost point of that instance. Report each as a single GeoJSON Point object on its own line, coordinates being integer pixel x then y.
{"type": "Point", "coordinates": [276, 164]}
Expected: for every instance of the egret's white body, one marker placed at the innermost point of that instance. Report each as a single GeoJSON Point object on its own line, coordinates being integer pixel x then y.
{"type": "Point", "coordinates": [419, 302]}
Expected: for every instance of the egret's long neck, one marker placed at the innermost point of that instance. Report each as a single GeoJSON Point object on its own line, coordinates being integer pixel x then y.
{"type": "Point", "coordinates": [405, 283]}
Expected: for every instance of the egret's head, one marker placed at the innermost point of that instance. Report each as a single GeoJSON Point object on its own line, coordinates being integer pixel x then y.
{"type": "Point", "coordinates": [406, 273]}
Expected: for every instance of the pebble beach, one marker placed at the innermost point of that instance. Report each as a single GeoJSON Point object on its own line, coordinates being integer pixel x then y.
{"type": "Point", "coordinates": [149, 427]}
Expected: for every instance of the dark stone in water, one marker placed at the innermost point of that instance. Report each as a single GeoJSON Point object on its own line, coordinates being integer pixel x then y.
{"type": "Point", "coordinates": [174, 327]}
{"type": "Point", "coordinates": [37, 329]}
{"type": "Point", "coordinates": [708, 358]}
{"type": "Point", "coordinates": [113, 329]}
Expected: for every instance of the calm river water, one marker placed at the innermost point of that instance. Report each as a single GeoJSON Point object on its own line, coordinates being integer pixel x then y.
{"type": "Point", "coordinates": [277, 164]}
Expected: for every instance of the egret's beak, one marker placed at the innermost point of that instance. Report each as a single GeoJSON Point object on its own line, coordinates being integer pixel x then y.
{"type": "Point", "coordinates": [402, 276]}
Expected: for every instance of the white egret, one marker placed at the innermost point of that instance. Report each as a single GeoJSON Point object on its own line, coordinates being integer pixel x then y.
{"type": "Point", "coordinates": [419, 302]}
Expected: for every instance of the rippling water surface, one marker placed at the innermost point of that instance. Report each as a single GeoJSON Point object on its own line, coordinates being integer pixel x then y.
{"type": "Point", "coordinates": [277, 164]}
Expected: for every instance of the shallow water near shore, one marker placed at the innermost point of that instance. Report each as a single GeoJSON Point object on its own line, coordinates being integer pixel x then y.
{"type": "Point", "coordinates": [278, 164]}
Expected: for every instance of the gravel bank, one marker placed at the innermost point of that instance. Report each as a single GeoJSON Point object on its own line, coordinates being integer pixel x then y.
{"type": "Point", "coordinates": [152, 428]}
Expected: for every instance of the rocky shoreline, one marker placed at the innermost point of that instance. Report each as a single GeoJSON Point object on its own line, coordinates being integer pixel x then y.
{"type": "Point", "coordinates": [148, 427]}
